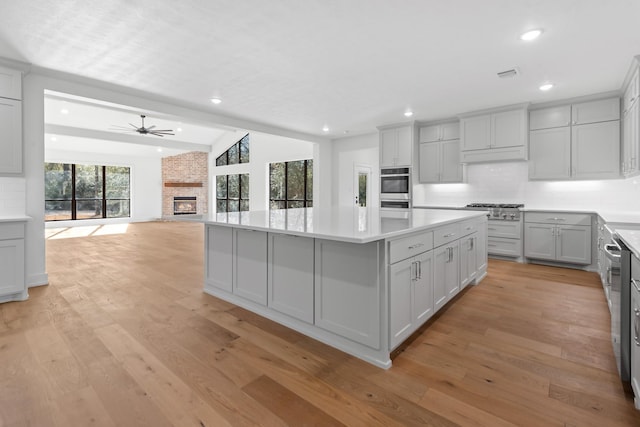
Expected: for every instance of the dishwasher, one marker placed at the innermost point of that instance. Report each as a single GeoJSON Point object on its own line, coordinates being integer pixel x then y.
{"type": "Point", "coordinates": [619, 285]}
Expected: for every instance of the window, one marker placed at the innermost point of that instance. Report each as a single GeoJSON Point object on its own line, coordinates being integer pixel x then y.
{"type": "Point", "coordinates": [291, 184]}
{"type": "Point", "coordinates": [238, 153]}
{"type": "Point", "coordinates": [232, 193]}
{"type": "Point", "coordinates": [86, 191]}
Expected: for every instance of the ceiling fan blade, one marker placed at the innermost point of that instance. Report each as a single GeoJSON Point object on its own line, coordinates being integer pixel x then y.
{"type": "Point", "coordinates": [134, 126]}
{"type": "Point", "coordinates": [151, 127]}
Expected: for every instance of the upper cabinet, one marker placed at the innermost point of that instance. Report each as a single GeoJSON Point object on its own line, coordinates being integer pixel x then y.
{"type": "Point", "coordinates": [10, 121]}
{"type": "Point", "coordinates": [10, 83]}
{"type": "Point", "coordinates": [631, 123]}
{"type": "Point", "coordinates": [439, 153]}
{"type": "Point", "coordinates": [494, 136]}
{"type": "Point", "coordinates": [577, 141]}
{"type": "Point", "coordinates": [396, 146]}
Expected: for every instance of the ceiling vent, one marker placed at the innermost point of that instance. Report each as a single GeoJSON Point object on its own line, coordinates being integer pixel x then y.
{"type": "Point", "coordinates": [508, 73]}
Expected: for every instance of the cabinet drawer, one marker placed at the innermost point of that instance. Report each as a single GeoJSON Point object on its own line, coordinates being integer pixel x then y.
{"type": "Point", "coordinates": [505, 229]}
{"type": "Point", "coordinates": [469, 227]}
{"type": "Point", "coordinates": [11, 230]}
{"type": "Point", "coordinates": [558, 218]}
{"type": "Point", "coordinates": [446, 234]}
{"type": "Point", "coordinates": [409, 246]}
{"type": "Point", "coordinates": [504, 247]}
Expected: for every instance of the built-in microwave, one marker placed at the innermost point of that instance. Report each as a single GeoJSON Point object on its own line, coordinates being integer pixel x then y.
{"type": "Point", "coordinates": [395, 184]}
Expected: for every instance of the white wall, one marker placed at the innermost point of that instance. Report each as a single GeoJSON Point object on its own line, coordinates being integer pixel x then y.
{"type": "Point", "coordinates": [264, 149]}
{"type": "Point", "coordinates": [508, 183]}
{"type": "Point", "coordinates": [146, 182]}
{"type": "Point", "coordinates": [346, 154]}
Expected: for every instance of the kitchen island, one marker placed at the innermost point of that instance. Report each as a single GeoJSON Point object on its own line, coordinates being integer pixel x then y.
{"type": "Point", "coordinates": [359, 280]}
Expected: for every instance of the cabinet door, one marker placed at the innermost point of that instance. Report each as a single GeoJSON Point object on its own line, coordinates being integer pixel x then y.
{"type": "Point", "coordinates": [550, 153]}
{"type": "Point", "coordinates": [540, 241]}
{"type": "Point", "coordinates": [10, 83]}
{"type": "Point", "coordinates": [573, 244]}
{"type": "Point", "coordinates": [219, 245]}
{"type": "Point", "coordinates": [466, 266]}
{"type": "Point", "coordinates": [405, 146]}
{"type": "Point", "coordinates": [508, 129]}
{"type": "Point", "coordinates": [402, 277]}
{"type": "Point", "coordinates": [595, 152]}
{"type": "Point", "coordinates": [250, 266]}
{"type": "Point", "coordinates": [452, 271]}
{"type": "Point", "coordinates": [481, 250]}
{"type": "Point", "coordinates": [11, 266]}
{"type": "Point", "coordinates": [290, 282]}
{"type": "Point", "coordinates": [475, 132]}
{"type": "Point", "coordinates": [388, 147]}
{"type": "Point", "coordinates": [451, 168]}
{"type": "Point", "coordinates": [552, 117]}
{"type": "Point", "coordinates": [11, 140]}
{"type": "Point", "coordinates": [430, 133]}
{"type": "Point", "coordinates": [449, 131]}
{"type": "Point", "coordinates": [595, 111]}
{"type": "Point", "coordinates": [635, 339]}
{"type": "Point", "coordinates": [441, 259]}
{"type": "Point", "coordinates": [430, 162]}
{"type": "Point", "coordinates": [423, 289]}
{"type": "Point", "coordinates": [631, 141]}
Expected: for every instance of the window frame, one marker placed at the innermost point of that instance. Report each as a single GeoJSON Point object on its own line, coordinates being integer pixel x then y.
{"type": "Point", "coordinates": [103, 200]}
{"type": "Point", "coordinates": [240, 199]}
{"type": "Point", "coordinates": [306, 201]}
{"type": "Point", "coordinates": [237, 149]}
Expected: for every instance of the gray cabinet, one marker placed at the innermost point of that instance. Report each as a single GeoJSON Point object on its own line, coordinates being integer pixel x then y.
{"type": "Point", "coordinates": [396, 146]}
{"type": "Point", "coordinates": [440, 132]}
{"type": "Point", "coordinates": [468, 259]}
{"type": "Point", "coordinates": [556, 236]}
{"type": "Point", "coordinates": [290, 279]}
{"type": "Point", "coordinates": [11, 141]}
{"type": "Point", "coordinates": [495, 136]}
{"type": "Point", "coordinates": [440, 162]}
{"type": "Point", "coordinates": [631, 123]}
{"type": "Point", "coordinates": [219, 256]}
{"type": "Point", "coordinates": [12, 267]}
{"type": "Point", "coordinates": [446, 273]}
{"type": "Point", "coordinates": [578, 141]}
{"type": "Point", "coordinates": [635, 329]}
{"type": "Point", "coordinates": [411, 296]}
{"type": "Point", "coordinates": [250, 265]}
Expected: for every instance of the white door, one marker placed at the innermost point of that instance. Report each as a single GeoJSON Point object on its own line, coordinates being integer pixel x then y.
{"type": "Point", "coordinates": [540, 241]}
{"type": "Point", "coordinates": [550, 153]}
{"type": "Point", "coordinates": [595, 152]}
{"type": "Point", "coordinates": [423, 288]}
{"type": "Point", "coordinates": [507, 129]}
{"type": "Point", "coordinates": [573, 244]}
{"type": "Point", "coordinates": [450, 168]}
{"type": "Point", "coordinates": [430, 162]}
{"type": "Point", "coordinates": [402, 276]}
{"type": "Point", "coordinates": [476, 132]}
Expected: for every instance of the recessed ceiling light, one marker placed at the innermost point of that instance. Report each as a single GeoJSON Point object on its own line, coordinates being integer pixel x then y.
{"type": "Point", "coordinates": [531, 35]}
{"type": "Point", "coordinates": [325, 128]}
{"type": "Point", "coordinates": [159, 150]}
{"type": "Point", "coordinates": [64, 111]}
{"type": "Point", "coordinates": [545, 87]}
{"type": "Point", "coordinates": [54, 139]}
{"type": "Point", "coordinates": [179, 129]}
{"type": "Point", "coordinates": [408, 113]}
{"type": "Point", "coordinates": [216, 100]}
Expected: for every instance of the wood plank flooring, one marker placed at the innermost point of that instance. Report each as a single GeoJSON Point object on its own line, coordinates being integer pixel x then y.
{"type": "Point", "coordinates": [124, 336]}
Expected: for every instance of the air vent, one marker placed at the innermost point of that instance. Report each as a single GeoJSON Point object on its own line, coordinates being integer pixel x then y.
{"type": "Point", "coordinates": [508, 73]}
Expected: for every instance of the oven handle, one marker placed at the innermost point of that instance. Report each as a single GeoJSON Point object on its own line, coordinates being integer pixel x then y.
{"type": "Point", "coordinates": [609, 247]}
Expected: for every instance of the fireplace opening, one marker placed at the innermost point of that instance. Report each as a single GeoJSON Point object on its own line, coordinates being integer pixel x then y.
{"type": "Point", "coordinates": [184, 205]}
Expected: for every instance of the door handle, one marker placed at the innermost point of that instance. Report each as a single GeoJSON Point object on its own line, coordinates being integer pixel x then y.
{"type": "Point", "coordinates": [419, 263]}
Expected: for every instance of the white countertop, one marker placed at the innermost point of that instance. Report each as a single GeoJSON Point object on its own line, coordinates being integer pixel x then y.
{"type": "Point", "coordinates": [341, 224]}
{"type": "Point", "coordinates": [14, 218]}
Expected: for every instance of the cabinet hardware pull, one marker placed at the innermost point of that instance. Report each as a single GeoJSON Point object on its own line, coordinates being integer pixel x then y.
{"type": "Point", "coordinates": [491, 245]}
{"type": "Point", "coordinates": [416, 246]}
{"type": "Point", "coordinates": [491, 228]}
{"type": "Point", "coordinates": [635, 284]}
{"type": "Point", "coordinates": [419, 269]}
{"type": "Point", "coordinates": [636, 328]}
{"type": "Point", "coordinates": [449, 235]}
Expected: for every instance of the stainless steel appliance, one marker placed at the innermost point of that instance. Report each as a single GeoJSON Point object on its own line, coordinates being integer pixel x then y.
{"type": "Point", "coordinates": [395, 188]}
{"type": "Point", "coordinates": [620, 294]}
{"type": "Point", "coordinates": [504, 239]}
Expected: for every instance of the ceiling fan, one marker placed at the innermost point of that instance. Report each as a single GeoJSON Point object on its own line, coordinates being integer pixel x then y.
{"type": "Point", "coordinates": [151, 130]}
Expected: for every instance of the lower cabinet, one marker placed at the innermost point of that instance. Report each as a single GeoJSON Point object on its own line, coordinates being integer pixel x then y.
{"type": "Point", "coordinates": [290, 281]}
{"type": "Point", "coordinates": [411, 296]}
{"type": "Point", "coordinates": [468, 259]}
{"type": "Point", "coordinates": [12, 271]}
{"type": "Point", "coordinates": [250, 265]}
{"type": "Point", "coordinates": [219, 256]}
{"type": "Point", "coordinates": [635, 329]}
{"type": "Point", "coordinates": [560, 237]}
{"type": "Point", "coordinates": [446, 273]}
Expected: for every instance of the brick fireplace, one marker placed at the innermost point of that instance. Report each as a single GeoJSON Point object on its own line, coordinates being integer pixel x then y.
{"type": "Point", "coordinates": [185, 180]}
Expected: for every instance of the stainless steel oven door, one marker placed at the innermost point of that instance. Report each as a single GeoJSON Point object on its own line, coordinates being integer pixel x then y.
{"type": "Point", "coordinates": [612, 264]}
{"type": "Point", "coordinates": [395, 205]}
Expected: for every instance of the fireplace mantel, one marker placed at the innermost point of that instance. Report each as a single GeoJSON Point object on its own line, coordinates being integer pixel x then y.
{"type": "Point", "coordinates": [183, 184]}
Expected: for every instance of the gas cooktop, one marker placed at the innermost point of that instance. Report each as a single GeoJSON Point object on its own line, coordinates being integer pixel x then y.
{"type": "Point", "coordinates": [501, 211]}
{"type": "Point", "coordinates": [496, 205]}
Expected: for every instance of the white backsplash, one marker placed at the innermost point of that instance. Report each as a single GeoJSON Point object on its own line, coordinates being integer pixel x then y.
{"type": "Point", "coordinates": [12, 196]}
{"type": "Point", "coordinates": [509, 183]}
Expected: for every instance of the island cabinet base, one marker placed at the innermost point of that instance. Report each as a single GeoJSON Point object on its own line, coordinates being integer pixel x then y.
{"type": "Point", "coordinates": [364, 297]}
{"type": "Point", "coordinates": [328, 290]}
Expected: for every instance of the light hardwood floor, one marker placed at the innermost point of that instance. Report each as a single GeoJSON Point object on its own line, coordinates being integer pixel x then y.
{"type": "Point", "coordinates": [124, 336]}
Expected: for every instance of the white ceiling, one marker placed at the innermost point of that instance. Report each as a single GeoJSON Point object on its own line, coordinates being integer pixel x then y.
{"type": "Point", "coordinates": [347, 64]}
